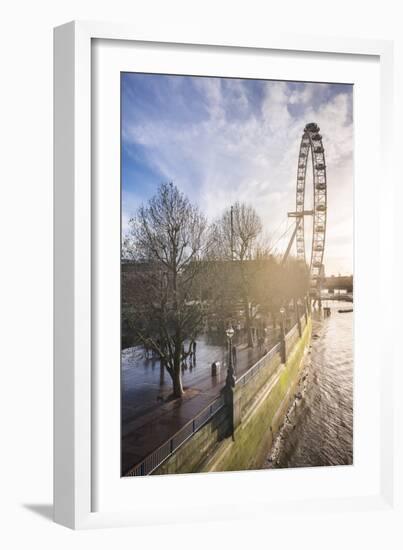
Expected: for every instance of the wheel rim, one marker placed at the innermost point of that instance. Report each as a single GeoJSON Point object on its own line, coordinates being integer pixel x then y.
{"type": "Point", "coordinates": [312, 146]}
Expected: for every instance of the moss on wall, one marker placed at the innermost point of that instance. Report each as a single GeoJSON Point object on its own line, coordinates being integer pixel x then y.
{"type": "Point", "coordinates": [263, 409]}
{"type": "Point", "coordinates": [254, 436]}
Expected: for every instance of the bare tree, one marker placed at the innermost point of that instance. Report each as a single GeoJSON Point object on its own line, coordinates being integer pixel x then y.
{"type": "Point", "coordinates": [167, 239]}
{"type": "Point", "coordinates": [237, 236]}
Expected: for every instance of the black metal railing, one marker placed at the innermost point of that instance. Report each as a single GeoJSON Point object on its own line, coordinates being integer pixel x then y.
{"type": "Point", "coordinates": [162, 453]}
{"type": "Point", "coordinates": [257, 367]}
{"type": "Point", "coordinates": [152, 461]}
{"type": "Point", "coordinates": [293, 330]}
{"type": "Point", "coordinates": [253, 371]}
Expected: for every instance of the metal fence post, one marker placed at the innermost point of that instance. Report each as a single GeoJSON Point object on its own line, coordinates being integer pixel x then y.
{"type": "Point", "coordinates": [229, 391]}
{"type": "Point", "coordinates": [283, 352]}
{"type": "Point", "coordinates": [296, 306]}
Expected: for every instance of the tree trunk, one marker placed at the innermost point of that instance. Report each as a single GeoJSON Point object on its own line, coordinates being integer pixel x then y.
{"type": "Point", "coordinates": [177, 382]}
{"type": "Point", "coordinates": [248, 324]}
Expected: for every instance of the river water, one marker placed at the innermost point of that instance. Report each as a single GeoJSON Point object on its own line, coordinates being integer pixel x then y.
{"type": "Point", "coordinates": [318, 430]}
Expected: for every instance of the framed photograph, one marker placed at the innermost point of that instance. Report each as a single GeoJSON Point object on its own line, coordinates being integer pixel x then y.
{"type": "Point", "coordinates": [218, 226]}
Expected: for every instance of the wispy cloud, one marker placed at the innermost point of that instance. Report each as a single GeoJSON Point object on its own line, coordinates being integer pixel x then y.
{"type": "Point", "coordinates": [222, 140]}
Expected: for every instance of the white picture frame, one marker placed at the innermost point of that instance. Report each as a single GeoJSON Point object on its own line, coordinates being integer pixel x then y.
{"type": "Point", "coordinates": [76, 470]}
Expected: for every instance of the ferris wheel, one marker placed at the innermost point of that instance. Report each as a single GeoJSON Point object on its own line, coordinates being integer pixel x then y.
{"type": "Point", "coordinates": [311, 146]}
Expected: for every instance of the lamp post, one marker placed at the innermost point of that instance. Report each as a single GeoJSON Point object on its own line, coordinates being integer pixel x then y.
{"type": "Point", "coordinates": [282, 318]}
{"type": "Point", "coordinates": [230, 381]}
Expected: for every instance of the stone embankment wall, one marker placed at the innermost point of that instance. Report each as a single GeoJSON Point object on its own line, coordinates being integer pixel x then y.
{"type": "Point", "coordinates": [240, 439]}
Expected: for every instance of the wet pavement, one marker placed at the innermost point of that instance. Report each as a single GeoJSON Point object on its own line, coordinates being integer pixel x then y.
{"type": "Point", "coordinates": [149, 416]}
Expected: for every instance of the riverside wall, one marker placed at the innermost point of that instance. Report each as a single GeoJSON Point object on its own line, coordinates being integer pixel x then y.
{"type": "Point", "coordinates": [240, 435]}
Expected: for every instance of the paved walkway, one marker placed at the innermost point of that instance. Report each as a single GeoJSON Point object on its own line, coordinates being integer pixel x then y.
{"type": "Point", "coordinates": [149, 418]}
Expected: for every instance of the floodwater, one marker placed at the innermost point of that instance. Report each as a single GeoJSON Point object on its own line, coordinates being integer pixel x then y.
{"type": "Point", "coordinates": [318, 430]}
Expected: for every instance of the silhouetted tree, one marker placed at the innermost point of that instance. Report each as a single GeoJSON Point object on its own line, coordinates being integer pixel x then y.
{"type": "Point", "coordinates": [237, 237]}
{"type": "Point", "coordinates": [167, 239]}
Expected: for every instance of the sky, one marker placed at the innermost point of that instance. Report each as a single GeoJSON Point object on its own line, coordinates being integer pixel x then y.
{"type": "Point", "coordinates": [222, 140]}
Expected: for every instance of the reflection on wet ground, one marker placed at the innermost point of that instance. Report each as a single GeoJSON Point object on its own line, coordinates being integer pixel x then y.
{"type": "Point", "coordinates": [149, 418]}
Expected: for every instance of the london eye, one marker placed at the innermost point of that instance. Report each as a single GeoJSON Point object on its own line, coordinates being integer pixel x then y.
{"type": "Point", "coordinates": [311, 147]}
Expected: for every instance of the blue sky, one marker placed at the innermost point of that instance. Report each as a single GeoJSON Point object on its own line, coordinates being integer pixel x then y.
{"type": "Point", "coordinates": [221, 140]}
